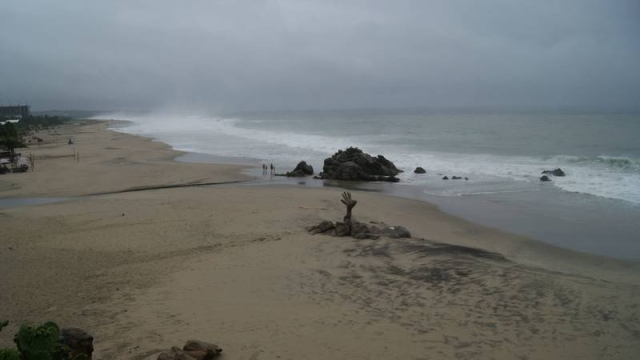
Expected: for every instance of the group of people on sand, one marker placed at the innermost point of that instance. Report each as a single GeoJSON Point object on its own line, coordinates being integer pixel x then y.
{"type": "Point", "coordinates": [265, 169]}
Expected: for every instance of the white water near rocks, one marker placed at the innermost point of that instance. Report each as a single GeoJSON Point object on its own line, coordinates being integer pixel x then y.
{"type": "Point", "coordinates": [502, 154]}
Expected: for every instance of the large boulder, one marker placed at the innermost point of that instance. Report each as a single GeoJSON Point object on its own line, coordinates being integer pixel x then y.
{"type": "Point", "coordinates": [554, 172]}
{"type": "Point", "coordinates": [355, 165]}
{"type": "Point", "coordinates": [302, 169]}
{"type": "Point", "coordinates": [544, 178]}
{"type": "Point", "coordinates": [420, 170]}
{"type": "Point", "coordinates": [202, 350]}
{"type": "Point", "coordinates": [78, 341]}
{"type": "Point", "coordinates": [192, 350]}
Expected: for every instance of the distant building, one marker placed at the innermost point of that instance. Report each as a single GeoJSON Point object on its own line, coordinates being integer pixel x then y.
{"type": "Point", "coordinates": [13, 121]}
{"type": "Point", "coordinates": [14, 112]}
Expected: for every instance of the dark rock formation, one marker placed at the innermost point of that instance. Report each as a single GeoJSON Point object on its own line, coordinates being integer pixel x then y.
{"type": "Point", "coordinates": [545, 178]}
{"type": "Point", "coordinates": [396, 232]}
{"type": "Point", "coordinates": [175, 354]}
{"type": "Point", "coordinates": [554, 172]}
{"type": "Point", "coordinates": [359, 230]}
{"type": "Point", "coordinates": [445, 178]}
{"type": "Point", "coordinates": [420, 170]}
{"type": "Point", "coordinates": [362, 231]}
{"type": "Point", "coordinates": [356, 229]}
{"type": "Point", "coordinates": [301, 170]}
{"type": "Point", "coordinates": [456, 178]}
{"type": "Point", "coordinates": [202, 350]}
{"type": "Point", "coordinates": [343, 229]}
{"type": "Point", "coordinates": [78, 341]}
{"type": "Point", "coordinates": [355, 165]}
{"type": "Point", "coordinates": [323, 227]}
{"type": "Point", "coordinates": [192, 350]}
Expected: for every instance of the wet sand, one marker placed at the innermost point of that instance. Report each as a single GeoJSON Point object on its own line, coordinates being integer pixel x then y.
{"type": "Point", "coordinates": [232, 264]}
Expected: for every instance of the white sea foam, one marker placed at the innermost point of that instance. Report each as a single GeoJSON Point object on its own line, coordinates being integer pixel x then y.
{"type": "Point", "coordinates": [605, 176]}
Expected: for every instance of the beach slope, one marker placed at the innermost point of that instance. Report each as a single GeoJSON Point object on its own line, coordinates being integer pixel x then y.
{"type": "Point", "coordinates": [233, 264]}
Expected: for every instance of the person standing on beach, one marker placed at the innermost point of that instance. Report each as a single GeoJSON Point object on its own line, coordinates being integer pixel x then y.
{"type": "Point", "coordinates": [273, 168]}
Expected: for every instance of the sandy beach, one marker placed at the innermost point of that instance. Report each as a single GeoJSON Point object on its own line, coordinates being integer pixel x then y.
{"type": "Point", "coordinates": [143, 260]}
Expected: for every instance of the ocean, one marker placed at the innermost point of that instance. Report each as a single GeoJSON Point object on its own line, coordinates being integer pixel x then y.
{"type": "Point", "coordinates": [594, 209]}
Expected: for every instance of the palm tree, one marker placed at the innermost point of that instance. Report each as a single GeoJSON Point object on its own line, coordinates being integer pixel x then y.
{"type": "Point", "coordinates": [10, 139]}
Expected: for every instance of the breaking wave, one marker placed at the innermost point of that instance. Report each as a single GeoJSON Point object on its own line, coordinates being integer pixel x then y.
{"type": "Point", "coordinates": [605, 176]}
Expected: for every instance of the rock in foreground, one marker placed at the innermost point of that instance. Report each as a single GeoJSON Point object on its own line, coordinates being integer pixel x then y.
{"type": "Point", "coordinates": [175, 354]}
{"type": "Point", "coordinates": [78, 341]}
{"type": "Point", "coordinates": [203, 346]}
{"type": "Point", "coordinates": [192, 350]}
{"type": "Point", "coordinates": [358, 230]}
{"type": "Point", "coordinates": [419, 170]}
{"type": "Point", "coordinates": [355, 165]}
{"type": "Point", "coordinates": [544, 178]}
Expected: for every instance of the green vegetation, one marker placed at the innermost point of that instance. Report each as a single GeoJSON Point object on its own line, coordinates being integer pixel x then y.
{"type": "Point", "coordinates": [12, 134]}
{"type": "Point", "coordinates": [10, 139]}
{"type": "Point", "coordinates": [9, 354]}
{"type": "Point", "coordinates": [40, 343]}
{"type": "Point", "coordinates": [37, 343]}
{"type": "Point", "coordinates": [39, 122]}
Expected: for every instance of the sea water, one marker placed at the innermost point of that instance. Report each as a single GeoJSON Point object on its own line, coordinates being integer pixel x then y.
{"type": "Point", "coordinates": [595, 208]}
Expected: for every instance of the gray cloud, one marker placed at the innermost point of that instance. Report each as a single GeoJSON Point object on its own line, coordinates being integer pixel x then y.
{"type": "Point", "coordinates": [267, 54]}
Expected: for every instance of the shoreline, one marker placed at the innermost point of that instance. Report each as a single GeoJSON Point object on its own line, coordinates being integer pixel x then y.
{"type": "Point", "coordinates": [244, 172]}
{"type": "Point", "coordinates": [145, 270]}
{"type": "Point", "coordinates": [516, 212]}
{"type": "Point", "coordinates": [129, 164]}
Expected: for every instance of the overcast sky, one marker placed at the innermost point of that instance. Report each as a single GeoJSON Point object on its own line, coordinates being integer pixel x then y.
{"type": "Point", "coordinates": [297, 54]}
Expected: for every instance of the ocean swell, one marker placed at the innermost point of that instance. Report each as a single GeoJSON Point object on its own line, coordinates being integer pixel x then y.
{"type": "Point", "coordinates": [605, 176]}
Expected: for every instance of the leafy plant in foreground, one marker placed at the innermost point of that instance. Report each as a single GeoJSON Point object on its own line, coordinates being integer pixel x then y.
{"type": "Point", "coordinates": [40, 343]}
{"type": "Point", "coordinates": [37, 343]}
{"type": "Point", "coordinates": [9, 354]}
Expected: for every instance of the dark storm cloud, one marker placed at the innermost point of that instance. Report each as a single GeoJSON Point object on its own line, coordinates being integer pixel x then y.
{"type": "Point", "coordinates": [267, 54]}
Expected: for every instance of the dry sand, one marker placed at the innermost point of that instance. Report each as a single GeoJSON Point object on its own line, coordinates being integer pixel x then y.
{"type": "Point", "coordinates": [233, 264]}
{"type": "Point", "coordinates": [108, 161]}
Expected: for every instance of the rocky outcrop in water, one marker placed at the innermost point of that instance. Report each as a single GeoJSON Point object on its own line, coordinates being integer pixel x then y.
{"type": "Point", "coordinates": [419, 170]}
{"type": "Point", "coordinates": [544, 178]}
{"type": "Point", "coordinates": [454, 177]}
{"type": "Point", "coordinates": [354, 165]}
{"type": "Point", "coordinates": [554, 172]}
{"type": "Point", "coordinates": [301, 170]}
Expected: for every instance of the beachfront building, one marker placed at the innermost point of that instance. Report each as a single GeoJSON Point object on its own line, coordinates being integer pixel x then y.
{"type": "Point", "coordinates": [13, 121]}
{"type": "Point", "coordinates": [14, 112]}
